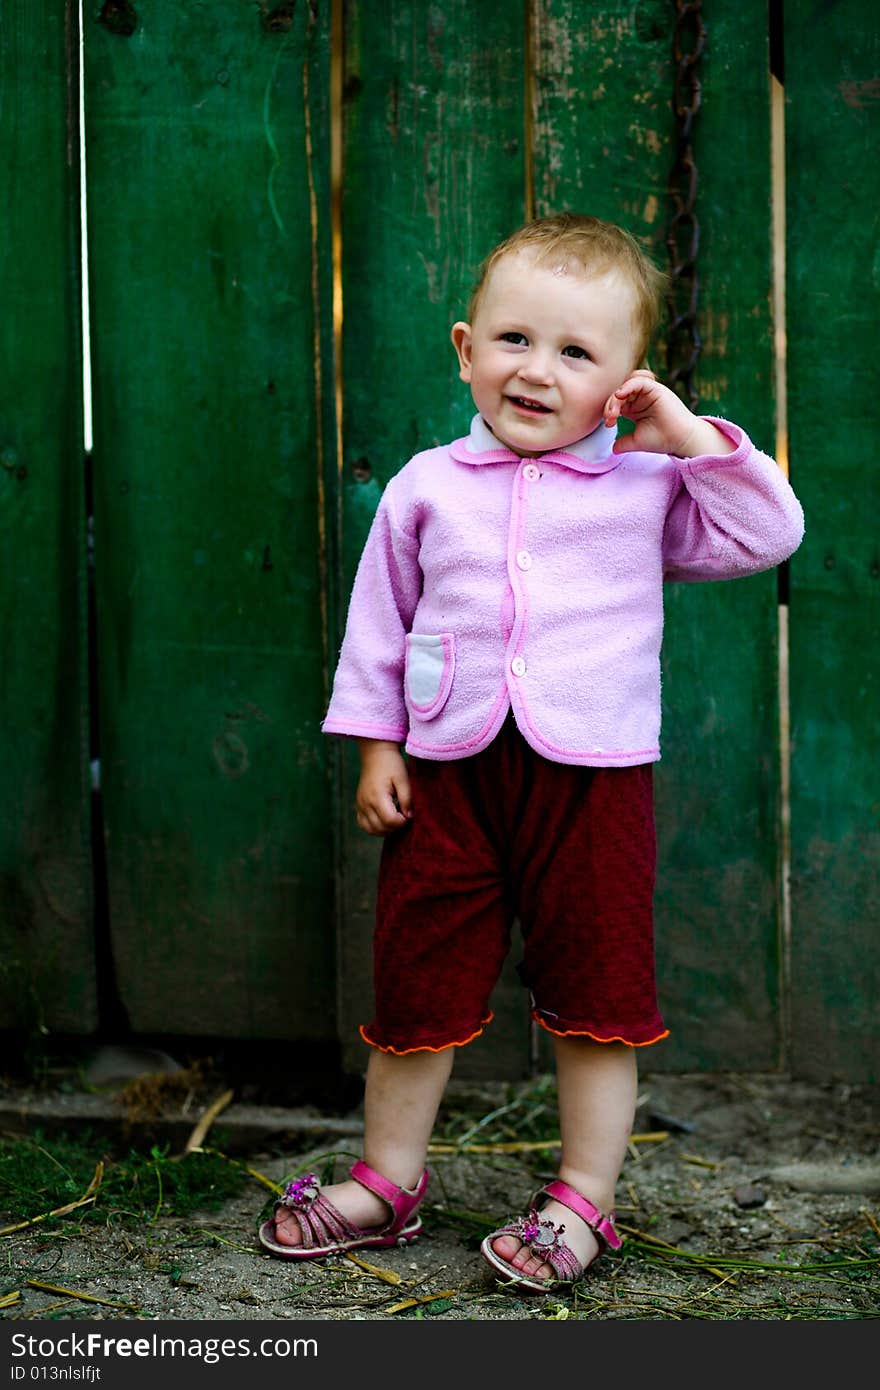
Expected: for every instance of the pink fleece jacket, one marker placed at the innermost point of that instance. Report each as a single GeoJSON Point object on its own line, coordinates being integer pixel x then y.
{"type": "Point", "coordinates": [490, 581]}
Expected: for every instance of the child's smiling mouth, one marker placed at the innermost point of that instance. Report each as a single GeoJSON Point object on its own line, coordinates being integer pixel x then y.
{"type": "Point", "coordinates": [526, 403]}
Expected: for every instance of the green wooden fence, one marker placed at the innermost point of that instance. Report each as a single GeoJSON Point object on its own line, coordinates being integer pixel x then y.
{"type": "Point", "coordinates": [47, 974]}
{"type": "Point", "coordinates": [238, 154]}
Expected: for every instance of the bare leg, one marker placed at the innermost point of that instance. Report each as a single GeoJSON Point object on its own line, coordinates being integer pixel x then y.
{"type": "Point", "coordinates": [597, 1096]}
{"type": "Point", "coordinates": [401, 1100]}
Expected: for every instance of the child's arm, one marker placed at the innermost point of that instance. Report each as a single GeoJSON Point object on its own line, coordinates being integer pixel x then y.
{"type": "Point", "coordinates": [383, 796]}
{"type": "Point", "coordinates": [732, 511]}
{"type": "Point", "coordinates": [663, 423]}
{"type": "Point", "coordinates": [367, 700]}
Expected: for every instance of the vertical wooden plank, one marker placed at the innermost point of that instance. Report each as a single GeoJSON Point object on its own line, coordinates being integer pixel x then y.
{"type": "Point", "coordinates": [47, 977]}
{"type": "Point", "coordinates": [602, 117]}
{"type": "Point", "coordinates": [433, 178]}
{"type": "Point", "coordinates": [604, 144]}
{"type": "Point", "coordinates": [208, 158]}
{"type": "Point", "coordinates": [833, 183]}
{"type": "Point", "coordinates": [719, 900]}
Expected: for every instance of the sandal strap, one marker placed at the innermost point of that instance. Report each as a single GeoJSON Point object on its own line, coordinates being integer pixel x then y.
{"type": "Point", "coordinates": [402, 1200]}
{"type": "Point", "coordinates": [601, 1225]}
{"type": "Point", "coordinates": [321, 1223]}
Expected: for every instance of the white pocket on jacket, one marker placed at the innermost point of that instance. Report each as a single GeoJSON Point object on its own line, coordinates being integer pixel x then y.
{"type": "Point", "coordinates": [430, 666]}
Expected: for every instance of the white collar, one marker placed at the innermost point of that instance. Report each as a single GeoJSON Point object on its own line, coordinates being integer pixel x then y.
{"type": "Point", "coordinates": [589, 455]}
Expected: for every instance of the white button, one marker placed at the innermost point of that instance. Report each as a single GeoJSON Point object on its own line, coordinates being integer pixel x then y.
{"type": "Point", "coordinates": [524, 559]}
{"type": "Point", "coordinates": [518, 666]}
{"type": "Point", "coordinates": [531, 473]}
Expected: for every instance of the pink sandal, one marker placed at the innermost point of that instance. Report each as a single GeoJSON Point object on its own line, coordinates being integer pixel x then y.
{"type": "Point", "coordinates": [325, 1231]}
{"type": "Point", "coordinates": [544, 1239]}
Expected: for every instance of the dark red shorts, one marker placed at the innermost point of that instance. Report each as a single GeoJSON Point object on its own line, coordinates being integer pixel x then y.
{"type": "Point", "coordinates": [505, 835]}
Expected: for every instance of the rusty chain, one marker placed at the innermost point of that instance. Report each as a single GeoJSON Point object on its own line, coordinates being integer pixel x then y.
{"type": "Point", "coordinates": [683, 343]}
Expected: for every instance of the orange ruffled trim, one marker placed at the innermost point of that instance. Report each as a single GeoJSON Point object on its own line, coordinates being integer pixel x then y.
{"type": "Point", "coordinates": [585, 1033]}
{"type": "Point", "coordinates": [424, 1047]}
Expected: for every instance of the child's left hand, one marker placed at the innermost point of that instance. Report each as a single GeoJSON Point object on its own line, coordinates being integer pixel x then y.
{"type": "Point", "coordinates": [663, 423]}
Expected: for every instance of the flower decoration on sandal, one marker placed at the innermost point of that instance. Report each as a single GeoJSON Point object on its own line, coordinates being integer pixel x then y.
{"type": "Point", "coordinates": [301, 1192]}
{"type": "Point", "coordinates": [542, 1237]}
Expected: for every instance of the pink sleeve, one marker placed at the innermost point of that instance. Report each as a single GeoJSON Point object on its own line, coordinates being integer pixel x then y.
{"type": "Point", "coordinates": [367, 699]}
{"type": "Point", "coordinates": [732, 514]}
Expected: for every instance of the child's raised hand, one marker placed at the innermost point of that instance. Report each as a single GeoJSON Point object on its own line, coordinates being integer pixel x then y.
{"type": "Point", "coordinates": [383, 800]}
{"type": "Point", "coordinates": [663, 423]}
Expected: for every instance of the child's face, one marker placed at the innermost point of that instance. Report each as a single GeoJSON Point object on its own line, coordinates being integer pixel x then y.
{"type": "Point", "coordinates": [545, 351]}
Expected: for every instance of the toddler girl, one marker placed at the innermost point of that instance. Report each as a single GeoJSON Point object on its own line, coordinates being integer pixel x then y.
{"type": "Point", "coordinates": [501, 672]}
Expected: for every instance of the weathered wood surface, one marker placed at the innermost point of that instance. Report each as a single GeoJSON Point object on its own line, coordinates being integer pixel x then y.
{"type": "Point", "coordinates": [719, 917]}
{"type": "Point", "coordinates": [208, 171]}
{"type": "Point", "coordinates": [47, 975]}
{"type": "Point", "coordinates": [832, 92]}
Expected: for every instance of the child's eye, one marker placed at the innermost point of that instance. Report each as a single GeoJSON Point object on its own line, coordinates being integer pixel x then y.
{"type": "Point", "coordinates": [518, 338]}
{"type": "Point", "coordinates": [574, 351]}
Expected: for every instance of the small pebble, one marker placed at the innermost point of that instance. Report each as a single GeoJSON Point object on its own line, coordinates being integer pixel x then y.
{"type": "Point", "coordinates": [749, 1196]}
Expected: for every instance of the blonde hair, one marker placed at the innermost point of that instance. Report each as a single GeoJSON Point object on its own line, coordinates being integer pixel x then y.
{"type": "Point", "coordinates": [597, 247]}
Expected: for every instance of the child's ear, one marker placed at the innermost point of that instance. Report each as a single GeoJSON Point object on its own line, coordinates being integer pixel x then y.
{"type": "Point", "coordinates": [462, 341]}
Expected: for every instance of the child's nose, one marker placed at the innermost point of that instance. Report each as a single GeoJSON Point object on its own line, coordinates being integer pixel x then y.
{"type": "Point", "coordinates": [537, 367]}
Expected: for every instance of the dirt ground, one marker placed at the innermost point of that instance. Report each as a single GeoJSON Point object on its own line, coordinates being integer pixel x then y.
{"type": "Point", "coordinates": [742, 1197]}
